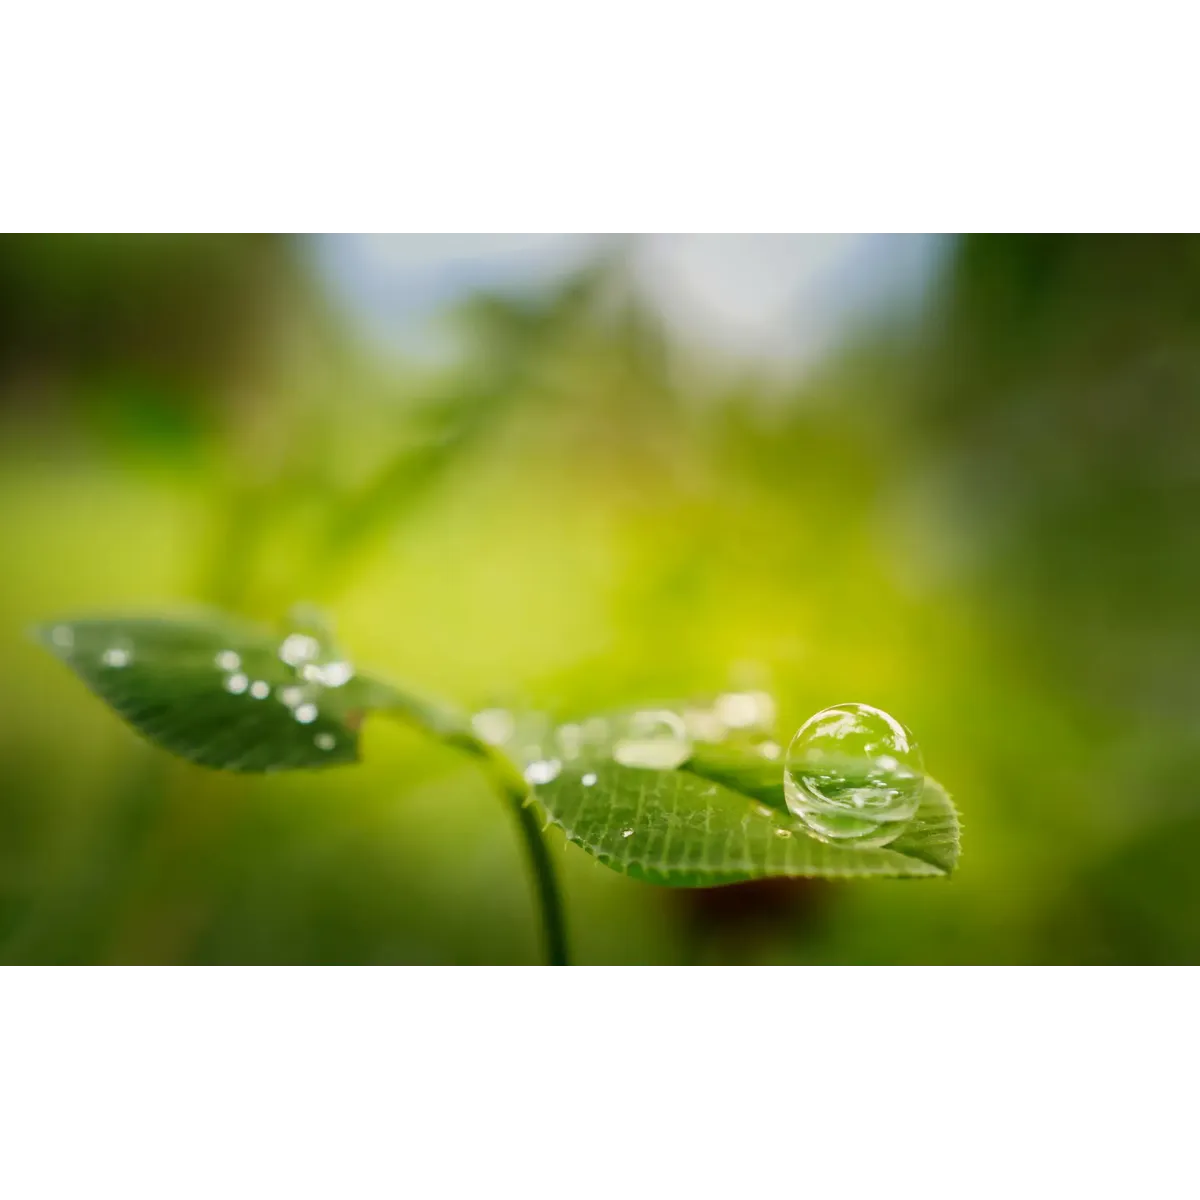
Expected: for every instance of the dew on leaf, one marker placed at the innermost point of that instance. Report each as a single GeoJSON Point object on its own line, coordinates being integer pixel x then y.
{"type": "Point", "coordinates": [115, 656]}
{"type": "Point", "coordinates": [237, 683]}
{"type": "Point", "coordinates": [853, 776]}
{"type": "Point", "coordinates": [654, 740]}
{"type": "Point", "coordinates": [325, 741]}
{"type": "Point", "coordinates": [260, 689]}
{"type": "Point", "coordinates": [336, 674]}
{"type": "Point", "coordinates": [299, 648]}
{"type": "Point", "coordinates": [570, 740]}
{"type": "Point", "coordinates": [229, 660]}
{"type": "Point", "coordinates": [542, 770]}
{"type": "Point", "coordinates": [745, 710]}
{"type": "Point", "coordinates": [493, 725]}
{"type": "Point", "coordinates": [306, 714]}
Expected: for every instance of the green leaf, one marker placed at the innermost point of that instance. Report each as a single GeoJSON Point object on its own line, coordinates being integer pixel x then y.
{"type": "Point", "coordinates": [721, 818]}
{"type": "Point", "coordinates": [219, 692]}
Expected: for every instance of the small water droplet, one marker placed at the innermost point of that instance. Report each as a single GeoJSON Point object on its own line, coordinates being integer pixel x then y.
{"type": "Point", "coordinates": [745, 710]}
{"type": "Point", "coordinates": [703, 725]}
{"type": "Point", "coordinates": [627, 833]}
{"type": "Point", "coordinates": [595, 731]}
{"type": "Point", "coordinates": [237, 683]}
{"type": "Point", "coordinates": [542, 771]}
{"type": "Point", "coordinates": [783, 833]}
{"type": "Point", "coordinates": [260, 689]}
{"type": "Point", "coordinates": [653, 740]}
{"type": "Point", "coordinates": [770, 750]}
{"type": "Point", "coordinates": [63, 636]}
{"type": "Point", "coordinates": [570, 740]}
{"type": "Point", "coordinates": [853, 775]}
{"type": "Point", "coordinates": [115, 656]}
{"type": "Point", "coordinates": [299, 648]}
{"type": "Point", "coordinates": [229, 660]}
{"type": "Point", "coordinates": [325, 741]}
{"type": "Point", "coordinates": [336, 674]}
{"type": "Point", "coordinates": [306, 714]}
{"type": "Point", "coordinates": [291, 696]}
{"type": "Point", "coordinates": [311, 673]}
{"type": "Point", "coordinates": [589, 780]}
{"type": "Point", "coordinates": [764, 811]}
{"type": "Point", "coordinates": [493, 725]}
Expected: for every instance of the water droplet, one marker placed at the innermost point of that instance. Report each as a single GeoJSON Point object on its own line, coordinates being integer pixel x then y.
{"type": "Point", "coordinates": [237, 683]}
{"type": "Point", "coordinates": [306, 714]}
{"type": "Point", "coordinates": [115, 656]}
{"type": "Point", "coordinates": [299, 648]}
{"type": "Point", "coordinates": [260, 689]}
{"type": "Point", "coordinates": [570, 740]}
{"type": "Point", "coordinates": [335, 674]}
{"type": "Point", "coordinates": [595, 730]}
{"type": "Point", "coordinates": [653, 740]}
{"type": "Point", "coordinates": [627, 833]}
{"type": "Point", "coordinates": [63, 636]}
{"type": "Point", "coordinates": [493, 725]}
{"type": "Point", "coordinates": [853, 776]}
{"type": "Point", "coordinates": [783, 833]}
{"type": "Point", "coordinates": [325, 741]}
{"type": "Point", "coordinates": [229, 660]}
{"type": "Point", "coordinates": [542, 771]}
{"type": "Point", "coordinates": [770, 750]}
{"type": "Point", "coordinates": [745, 710]}
{"type": "Point", "coordinates": [311, 673]}
{"type": "Point", "coordinates": [703, 725]}
{"type": "Point", "coordinates": [589, 780]}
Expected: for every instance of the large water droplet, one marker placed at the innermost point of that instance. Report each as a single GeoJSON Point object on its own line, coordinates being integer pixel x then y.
{"type": "Point", "coordinates": [853, 775]}
{"type": "Point", "coordinates": [655, 740]}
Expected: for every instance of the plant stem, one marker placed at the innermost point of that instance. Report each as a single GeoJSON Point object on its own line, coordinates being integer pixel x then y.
{"type": "Point", "coordinates": [515, 790]}
{"type": "Point", "coordinates": [554, 929]}
{"type": "Point", "coordinates": [451, 729]}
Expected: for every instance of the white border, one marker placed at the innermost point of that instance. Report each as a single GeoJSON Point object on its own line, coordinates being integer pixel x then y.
{"type": "Point", "coordinates": [653, 1082]}
{"type": "Point", "coordinates": [859, 116]}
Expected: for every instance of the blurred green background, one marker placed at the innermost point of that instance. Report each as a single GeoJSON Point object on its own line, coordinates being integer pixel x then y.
{"type": "Point", "coordinates": [965, 490]}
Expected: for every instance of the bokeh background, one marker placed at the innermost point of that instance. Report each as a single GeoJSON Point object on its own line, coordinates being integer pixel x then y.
{"type": "Point", "coordinates": [955, 477]}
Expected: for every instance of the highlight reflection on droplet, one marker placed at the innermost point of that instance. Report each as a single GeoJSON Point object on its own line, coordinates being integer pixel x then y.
{"type": "Point", "coordinates": [853, 776]}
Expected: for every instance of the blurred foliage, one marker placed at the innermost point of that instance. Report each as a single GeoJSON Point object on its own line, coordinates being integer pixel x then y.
{"type": "Point", "coordinates": [981, 520]}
